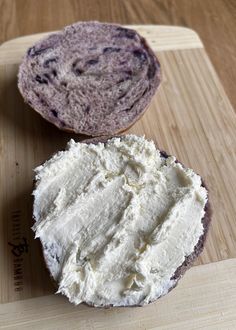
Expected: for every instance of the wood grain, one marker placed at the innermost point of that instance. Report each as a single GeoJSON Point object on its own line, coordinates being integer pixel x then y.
{"type": "Point", "coordinates": [190, 117]}
{"type": "Point", "coordinates": [213, 20]}
{"type": "Point", "coordinates": [205, 299]}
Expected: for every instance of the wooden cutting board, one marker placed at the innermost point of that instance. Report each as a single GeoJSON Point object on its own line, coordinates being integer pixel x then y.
{"type": "Point", "coordinates": [190, 117]}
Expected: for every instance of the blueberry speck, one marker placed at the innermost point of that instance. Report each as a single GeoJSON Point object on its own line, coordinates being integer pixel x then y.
{"type": "Point", "coordinates": [121, 80]}
{"type": "Point", "coordinates": [111, 50]}
{"type": "Point", "coordinates": [128, 109]}
{"type": "Point", "coordinates": [50, 61]}
{"type": "Point", "coordinates": [87, 109]}
{"type": "Point", "coordinates": [75, 63]}
{"type": "Point", "coordinates": [54, 72]}
{"type": "Point", "coordinates": [31, 51]}
{"type": "Point", "coordinates": [92, 62]}
{"type": "Point", "coordinates": [34, 52]}
{"type": "Point", "coordinates": [122, 96]}
{"type": "Point", "coordinates": [47, 76]}
{"type": "Point", "coordinates": [54, 112]}
{"type": "Point", "coordinates": [43, 102]}
{"type": "Point", "coordinates": [138, 53]}
{"type": "Point", "coordinates": [126, 33]}
{"type": "Point", "coordinates": [41, 80]}
{"type": "Point", "coordinates": [78, 72]}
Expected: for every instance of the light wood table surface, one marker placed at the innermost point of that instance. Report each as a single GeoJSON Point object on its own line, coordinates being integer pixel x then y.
{"type": "Point", "coordinates": [194, 101]}
{"type": "Point", "coordinates": [213, 20]}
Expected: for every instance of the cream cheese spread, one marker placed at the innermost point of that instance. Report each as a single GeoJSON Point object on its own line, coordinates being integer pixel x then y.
{"type": "Point", "coordinates": [116, 220]}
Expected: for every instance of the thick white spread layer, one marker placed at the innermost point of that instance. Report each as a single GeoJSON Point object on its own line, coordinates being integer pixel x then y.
{"type": "Point", "coordinates": [116, 220]}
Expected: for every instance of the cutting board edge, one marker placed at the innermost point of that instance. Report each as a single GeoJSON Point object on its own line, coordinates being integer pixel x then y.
{"type": "Point", "coordinates": [194, 268]}
{"type": "Point", "coordinates": [163, 28]}
{"type": "Point", "coordinates": [47, 309]}
{"type": "Point", "coordinates": [160, 38]}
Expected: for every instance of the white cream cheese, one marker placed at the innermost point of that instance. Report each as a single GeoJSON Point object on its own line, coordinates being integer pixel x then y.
{"type": "Point", "coordinates": [116, 220]}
